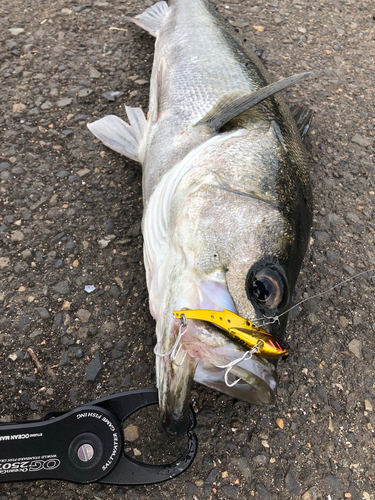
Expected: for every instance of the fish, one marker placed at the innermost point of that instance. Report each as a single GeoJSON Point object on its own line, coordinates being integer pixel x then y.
{"type": "Point", "coordinates": [227, 202]}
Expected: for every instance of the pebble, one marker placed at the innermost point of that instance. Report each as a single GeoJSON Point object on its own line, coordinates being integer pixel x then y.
{"type": "Point", "coordinates": [85, 92]}
{"type": "Point", "coordinates": [94, 73]}
{"type": "Point", "coordinates": [212, 476]}
{"type": "Point", "coordinates": [260, 459]}
{"type": "Point", "coordinates": [109, 227]}
{"type": "Point", "coordinates": [59, 264]}
{"type": "Point", "coordinates": [17, 236]}
{"type": "Point", "coordinates": [230, 491]}
{"type": "Point", "coordinates": [333, 486]}
{"type": "Point", "coordinates": [4, 262]}
{"type": "Point", "coordinates": [62, 287]}
{"type": "Point", "coordinates": [355, 347]}
{"type": "Point", "coordinates": [332, 256]}
{"type": "Point", "coordinates": [361, 140]}
{"type": "Point", "coordinates": [310, 306]}
{"type": "Point", "coordinates": [131, 433]}
{"type": "Point", "coordinates": [311, 494]}
{"type": "Point", "coordinates": [292, 485]}
{"type": "Point", "coordinates": [114, 291]}
{"type": "Point", "coordinates": [83, 315]}
{"type": "Point", "coordinates": [43, 312]}
{"type": "Point", "coordinates": [69, 247]}
{"type": "Point", "coordinates": [322, 393]}
{"type": "Point", "coordinates": [93, 368]}
{"type": "Point", "coordinates": [355, 495]}
{"type": "Point", "coordinates": [23, 322]}
{"type": "Point", "coordinates": [262, 490]}
{"type": "Point", "coordinates": [64, 102]}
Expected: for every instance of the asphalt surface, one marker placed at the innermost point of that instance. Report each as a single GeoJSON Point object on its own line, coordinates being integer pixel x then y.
{"type": "Point", "coordinates": [70, 213]}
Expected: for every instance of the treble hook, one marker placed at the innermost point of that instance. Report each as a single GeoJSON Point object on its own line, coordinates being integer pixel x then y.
{"type": "Point", "coordinates": [248, 355]}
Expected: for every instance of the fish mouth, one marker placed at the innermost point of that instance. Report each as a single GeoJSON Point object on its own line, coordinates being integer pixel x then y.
{"type": "Point", "coordinates": [203, 355]}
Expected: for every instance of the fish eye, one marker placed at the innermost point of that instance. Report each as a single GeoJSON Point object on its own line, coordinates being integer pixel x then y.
{"type": "Point", "coordinates": [267, 287]}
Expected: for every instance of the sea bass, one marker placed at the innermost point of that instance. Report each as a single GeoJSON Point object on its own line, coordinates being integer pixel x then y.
{"type": "Point", "coordinates": [227, 201]}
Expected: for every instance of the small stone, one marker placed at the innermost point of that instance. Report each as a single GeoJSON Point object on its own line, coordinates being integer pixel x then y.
{"type": "Point", "coordinates": [43, 312]}
{"type": "Point", "coordinates": [23, 322]}
{"type": "Point", "coordinates": [114, 291]}
{"type": "Point", "coordinates": [26, 254]}
{"type": "Point", "coordinates": [94, 73]}
{"type": "Point", "coordinates": [131, 433]}
{"type": "Point", "coordinates": [83, 172]}
{"type": "Point", "coordinates": [66, 305]}
{"type": "Point", "coordinates": [355, 347]}
{"type": "Point", "coordinates": [69, 247]}
{"type": "Point", "coordinates": [110, 96]}
{"type": "Point", "coordinates": [13, 356]}
{"type": "Point", "coordinates": [302, 30]}
{"type": "Point", "coordinates": [64, 102]}
{"type": "Point", "coordinates": [4, 262]}
{"type": "Point", "coordinates": [109, 227]}
{"type": "Point", "coordinates": [89, 288]}
{"type": "Point", "coordinates": [17, 236]}
{"type": "Point", "coordinates": [362, 140]}
{"type": "Point", "coordinates": [62, 287]}
{"type": "Point", "coordinates": [47, 105]}
{"type": "Point", "coordinates": [310, 306]}
{"type": "Point", "coordinates": [19, 107]}
{"type": "Point", "coordinates": [354, 494]}
{"type": "Point", "coordinates": [93, 368]}
{"type": "Point", "coordinates": [332, 256]}
{"type": "Point", "coordinates": [212, 476]}
{"type": "Point", "coordinates": [59, 264]}
{"type": "Point", "coordinates": [62, 174]}
{"type": "Point", "coordinates": [343, 321]}
{"type": "Point", "coordinates": [4, 165]}
{"type": "Point", "coordinates": [292, 485]}
{"type": "Point", "coordinates": [333, 485]}
{"type": "Point", "coordinates": [16, 31]}
{"type": "Point", "coordinates": [368, 405]}
{"type": "Point", "coordinates": [230, 491]}
{"type": "Point", "coordinates": [260, 459]}
{"type": "Point", "coordinates": [85, 92]}
{"type": "Point", "coordinates": [260, 29]}
{"type": "Point", "coordinates": [75, 263]}
{"type": "Point", "coordinates": [83, 315]}
{"type": "Point", "coordinates": [136, 452]}
{"type": "Point", "coordinates": [311, 494]}
{"type": "Point", "coordinates": [280, 423]}
{"type": "Point", "coordinates": [322, 393]}
{"type": "Point", "coordinates": [262, 490]}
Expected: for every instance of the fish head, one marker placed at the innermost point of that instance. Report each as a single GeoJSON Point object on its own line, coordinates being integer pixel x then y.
{"type": "Point", "coordinates": [229, 247]}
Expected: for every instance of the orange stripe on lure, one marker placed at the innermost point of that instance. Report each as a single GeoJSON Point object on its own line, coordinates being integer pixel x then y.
{"type": "Point", "coordinates": [241, 330]}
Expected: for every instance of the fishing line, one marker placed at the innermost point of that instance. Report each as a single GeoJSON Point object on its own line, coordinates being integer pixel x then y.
{"type": "Point", "coordinates": [275, 319]}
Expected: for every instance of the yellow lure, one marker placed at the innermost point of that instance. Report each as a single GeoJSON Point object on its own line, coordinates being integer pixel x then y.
{"type": "Point", "coordinates": [241, 330]}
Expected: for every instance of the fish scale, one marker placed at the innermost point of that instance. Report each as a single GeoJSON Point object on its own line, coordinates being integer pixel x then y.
{"type": "Point", "coordinates": [227, 202]}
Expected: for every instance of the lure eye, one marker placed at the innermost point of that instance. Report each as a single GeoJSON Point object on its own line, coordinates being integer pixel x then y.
{"type": "Point", "coordinates": [267, 288]}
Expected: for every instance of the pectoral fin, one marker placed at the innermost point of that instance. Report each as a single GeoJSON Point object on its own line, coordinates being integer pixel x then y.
{"type": "Point", "coordinates": [120, 136]}
{"type": "Point", "coordinates": [231, 106]}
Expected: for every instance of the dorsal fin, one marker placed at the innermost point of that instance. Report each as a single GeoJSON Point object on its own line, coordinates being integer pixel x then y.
{"type": "Point", "coordinates": [151, 18]}
{"type": "Point", "coordinates": [231, 106]}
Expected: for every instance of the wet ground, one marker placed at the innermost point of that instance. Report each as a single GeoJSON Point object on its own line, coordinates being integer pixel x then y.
{"type": "Point", "coordinates": [70, 213]}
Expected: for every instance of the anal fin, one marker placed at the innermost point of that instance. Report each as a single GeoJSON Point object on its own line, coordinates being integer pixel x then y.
{"type": "Point", "coordinates": [118, 135]}
{"type": "Point", "coordinates": [151, 18]}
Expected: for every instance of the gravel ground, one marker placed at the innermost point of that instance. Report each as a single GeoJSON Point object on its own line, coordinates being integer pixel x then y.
{"type": "Point", "coordinates": [70, 218]}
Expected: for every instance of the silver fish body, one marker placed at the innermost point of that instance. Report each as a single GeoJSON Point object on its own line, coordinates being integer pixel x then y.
{"type": "Point", "coordinates": [227, 200]}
